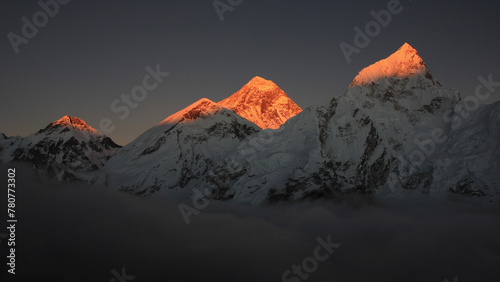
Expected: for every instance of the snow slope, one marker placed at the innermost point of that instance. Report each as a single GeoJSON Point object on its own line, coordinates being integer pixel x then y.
{"type": "Point", "coordinates": [179, 151]}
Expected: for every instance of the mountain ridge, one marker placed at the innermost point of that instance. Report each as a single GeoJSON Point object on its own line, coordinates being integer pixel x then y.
{"type": "Point", "coordinates": [72, 122]}
{"type": "Point", "coordinates": [362, 143]}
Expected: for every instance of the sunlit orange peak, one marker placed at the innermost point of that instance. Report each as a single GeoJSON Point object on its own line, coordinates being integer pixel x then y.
{"type": "Point", "coordinates": [261, 83]}
{"type": "Point", "coordinates": [403, 63]}
{"type": "Point", "coordinates": [200, 108]}
{"type": "Point", "coordinates": [73, 122]}
{"type": "Point", "coordinates": [262, 102]}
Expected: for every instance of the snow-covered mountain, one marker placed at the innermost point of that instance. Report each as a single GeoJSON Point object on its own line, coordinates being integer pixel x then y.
{"type": "Point", "coordinates": [353, 144]}
{"type": "Point", "coordinates": [262, 102]}
{"type": "Point", "coordinates": [413, 111]}
{"type": "Point", "coordinates": [67, 149]}
{"type": "Point", "coordinates": [180, 152]}
{"type": "Point", "coordinates": [389, 135]}
{"type": "Point", "coordinates": [395, 132]}
{"type": "Point", "coordinates": [468, 162]}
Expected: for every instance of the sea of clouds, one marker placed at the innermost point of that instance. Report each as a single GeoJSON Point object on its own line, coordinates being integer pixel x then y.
{"type": "Point", "coordinates": [74, 232]}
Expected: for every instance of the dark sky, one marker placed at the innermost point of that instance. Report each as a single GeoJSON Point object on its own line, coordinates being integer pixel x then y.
{"type": "Point", "coordinates": [91, 52]}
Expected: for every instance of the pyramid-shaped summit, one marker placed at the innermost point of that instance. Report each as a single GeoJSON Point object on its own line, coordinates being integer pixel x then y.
{"type": "Point", "coordinates": [262, 83]}
{"type": "Point", "coordinates": [72, 123]}
{"type": "Point", "coordinates": [262, 102]}
{"type": "Point", "coordinates": [404, 63]}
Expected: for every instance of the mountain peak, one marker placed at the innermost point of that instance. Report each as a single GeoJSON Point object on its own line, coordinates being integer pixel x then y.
{"type": "Point", "coordinates": [261, 83]}
{"type": "Point", "coordinates": [72, 122]}
{"type": "Point", "coordinates": [198, 109]}
{"type": "Point", "coordinates": [406, 48]}
{"type": "Point", "coordinates": [404, 63]}
{"type": "Point", "coordinates": [262, 102]}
